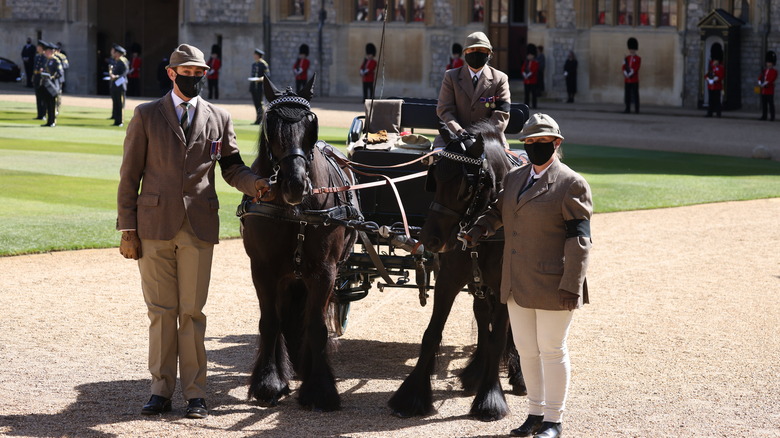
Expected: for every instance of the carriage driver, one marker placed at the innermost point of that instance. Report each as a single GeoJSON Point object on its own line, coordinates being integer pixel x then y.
{"type": "Point", "coordinates": [474, 92]}
{"type": "Point", "coordinates": [171, 150]}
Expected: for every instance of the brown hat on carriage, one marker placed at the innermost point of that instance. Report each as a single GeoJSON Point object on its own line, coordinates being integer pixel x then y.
{"type": "Point", "coordinates": [632, 44]}
{"type": "Point", "coordinates": [771, 57]}
{"type": "Point", "coordinates": [303, 49]}
{"type": "Point", "coordinates": [370, 49]}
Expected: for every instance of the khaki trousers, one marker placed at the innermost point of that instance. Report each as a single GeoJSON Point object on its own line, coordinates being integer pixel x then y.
{"type": "Point", "coordinates": [540, 339]}
{"type": "Point", "coordinates": [175, 278]}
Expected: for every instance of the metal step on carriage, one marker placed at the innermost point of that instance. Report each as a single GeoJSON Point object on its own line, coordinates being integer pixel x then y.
{"type": "Point", "coordinates": [395, 203]}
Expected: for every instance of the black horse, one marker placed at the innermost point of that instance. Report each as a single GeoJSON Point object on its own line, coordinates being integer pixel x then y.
{"type": "Point", "coordinates": [296, 242]}
{"type": "Point", "coordinates": [466, 178]}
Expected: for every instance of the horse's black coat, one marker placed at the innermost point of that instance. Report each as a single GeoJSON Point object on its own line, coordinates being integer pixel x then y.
{"type": "Point", "coordinates": [293, 331]}
{"type": "Point", "coordinates": [456, 184]}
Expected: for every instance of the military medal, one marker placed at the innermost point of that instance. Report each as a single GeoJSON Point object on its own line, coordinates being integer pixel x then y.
{"type": "Point", "coordinates": [216, 150]}
{"type": "Point", "coordinates": [490, 102]}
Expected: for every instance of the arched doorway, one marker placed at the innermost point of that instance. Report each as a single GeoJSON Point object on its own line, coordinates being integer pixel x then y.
{"type": "Point", "coordinates": [149, 25]}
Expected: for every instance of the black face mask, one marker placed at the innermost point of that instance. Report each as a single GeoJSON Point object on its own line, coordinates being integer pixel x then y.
{"type": "Point", "coordinates": [190, 86]}
{"type": "Point", "coordinates": [540, 153]}
{"type": "Point", "coordinates": [476, 60]}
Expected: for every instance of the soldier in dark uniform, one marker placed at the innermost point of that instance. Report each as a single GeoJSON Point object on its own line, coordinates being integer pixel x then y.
{"type": "Point", "coordinates": [259, 70]}
{"type": "Point", "coordinates": [65, 66]}
{"type": "Point", "coordinates": [28, 59]}
{"type": "Point", "coordinates": [39, 62]}
{"type": "Point", "coordinates": [51, 83]}
{"type": "Point", "coordinates": [117, 73]}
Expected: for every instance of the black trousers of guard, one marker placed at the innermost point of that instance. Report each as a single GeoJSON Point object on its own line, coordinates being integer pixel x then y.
{"type": "Point", "coordinates": [257, 99]}
{"type": "Point", "coordinates": [50, 106]}
{"type": "Point", "coordinates": [40, 93]}
{"type": "Point", "coordinates": [531, 94]}
{"type": "Point", "coordinates": [118, 103]}
{"type": "Point", "coordinates": [213, 88]}
{"type": "Point", "coordinates": [631, 95]}
{"type": "Point", "coordinates": [368, 90]}
{"type": "Point", "coordinates": [714, 104]}
{"type": "Point", "coordinates": [768, 103]}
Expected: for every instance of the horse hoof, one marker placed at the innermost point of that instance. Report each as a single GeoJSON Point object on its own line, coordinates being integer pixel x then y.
{"type": "Point", "coordinates": [486, 417]}
{"type": "Point", "coordinates": [400, 414]}
{"type": "Point", "coordinates": [520, 390]}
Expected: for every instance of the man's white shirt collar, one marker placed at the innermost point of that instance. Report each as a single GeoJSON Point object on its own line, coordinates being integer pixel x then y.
{"type": "Point", "coordinates": [178, 100]}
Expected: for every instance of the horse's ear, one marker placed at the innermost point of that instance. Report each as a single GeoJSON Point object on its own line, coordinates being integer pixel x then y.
{"type": "Point", "coordinates": [446, 135]}
{"type": "Point", "coordinates": [477, 147]}
{"type": "Point", "coordinates": [307, 91]}
{"type": "Point", "coordinates": [269, 89]}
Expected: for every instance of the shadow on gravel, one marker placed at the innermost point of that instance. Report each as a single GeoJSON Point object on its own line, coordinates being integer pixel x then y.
{"type": "Point", "coordinates": [102, 404]}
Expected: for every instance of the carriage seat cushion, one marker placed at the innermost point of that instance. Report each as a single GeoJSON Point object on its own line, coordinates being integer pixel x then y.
{"type": "Point", "coordinates": [386, 115]}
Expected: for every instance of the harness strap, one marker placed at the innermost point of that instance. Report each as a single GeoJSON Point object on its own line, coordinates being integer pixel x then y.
{"type": "Point", "coordinates": [380, 267]}
{"type": "Point", "coordinates": [476, 273]}
{"type": "Point", "coordinates": [339, 215]}
{"type": "Point", "coordinates": [298, 255]}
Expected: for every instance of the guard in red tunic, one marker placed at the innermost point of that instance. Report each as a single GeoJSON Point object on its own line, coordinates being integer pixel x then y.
{"type": "Point", "coordinates": [714, 77]}
{"type": "Point", "coordinates": [767, 83]}
{"type": "Point", "coordinates": [367, 70]}
{"type": "Point", "coordinates": [456, 59]}
{"type": "Point", "coordinates": [530, 71]}
{"type": "Point", "coordinates": [631, 65]}
{"type": "Point", "coordinates": [301, 67]}
{"type": "Point", "coordinates": [212, 75]}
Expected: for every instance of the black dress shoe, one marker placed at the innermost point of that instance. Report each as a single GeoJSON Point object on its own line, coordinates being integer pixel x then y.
{"type": "Point", "coordinates": [156, 405]}
{"type": "Point", "coordinates": [549, 430]}
{"type": "Point", "coordinates": [529, 427]}
{"type": "Point", "coordinates": [196, 408]}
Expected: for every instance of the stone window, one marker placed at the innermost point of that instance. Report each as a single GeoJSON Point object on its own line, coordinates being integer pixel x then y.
{"type": "Point", "coordinates": [651, 13]}
{"type": "Point", "coordinates": [539, 9]}
{"type": "Point", "coordinates": [477, 11]}
{"type": "Point", "coordinates": [293, 9]}
{"type": "Point", "coordinates": [402, 10]}
{"type": "Point", "coordinates": [741, 9]}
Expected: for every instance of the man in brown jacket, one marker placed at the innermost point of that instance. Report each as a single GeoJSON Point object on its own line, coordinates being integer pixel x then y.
{"type": "Point", "coordinates": [475, 91]}
{"type": "Point", "coordinates": [171, 150]}
{"type": "Point", "coordinates": [545, 209]}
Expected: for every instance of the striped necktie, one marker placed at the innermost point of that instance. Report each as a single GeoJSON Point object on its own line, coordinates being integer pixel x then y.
{"type": "Point", "coordinates": [185, 118]}
{"type": "Point", "coordinates": [528, 186]}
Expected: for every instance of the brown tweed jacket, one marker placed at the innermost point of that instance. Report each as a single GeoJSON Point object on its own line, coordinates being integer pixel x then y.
{"type": "Point", "coordinates": [176, 176]}
{"type": "Point", "coordinates": [459, 105]}
{"type": "Point", "coordinates": [538, 257]}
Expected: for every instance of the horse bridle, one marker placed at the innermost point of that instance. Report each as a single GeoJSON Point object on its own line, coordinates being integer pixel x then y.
{"type": "Point", "coordinates": [282, 103]}
{"type": "Point", "coordinates": [467, 219]}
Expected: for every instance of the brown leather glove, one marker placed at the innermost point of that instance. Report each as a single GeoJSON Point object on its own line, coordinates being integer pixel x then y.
{"type": "Point", "coordinates": [376, 138]}
{"type": "Point", "coordinates": [265, 191]}
{"type": "Point", "coordinates": [130, 245]}
{"type": "Point", "coordinates": [471, 237]}
{"type": "Point", "coordinates": [568, 300]}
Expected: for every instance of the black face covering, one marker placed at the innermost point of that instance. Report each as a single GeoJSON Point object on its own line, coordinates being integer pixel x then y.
{"type": "Point", "coordinates": [540, 153]}
{"type": "Point", "coordinates": [476, 60]}
{"type": "Point", "coordinates": [190, 86]}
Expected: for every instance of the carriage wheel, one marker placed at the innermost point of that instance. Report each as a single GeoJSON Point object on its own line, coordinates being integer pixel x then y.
{"type": "Point", "coordinates": [342, 317]}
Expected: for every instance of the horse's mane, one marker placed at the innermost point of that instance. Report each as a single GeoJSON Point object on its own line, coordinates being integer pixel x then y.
{"type": "Point", "coordinates": [288, 124]}
{"type": "Point", "coordinates": [495, 153]}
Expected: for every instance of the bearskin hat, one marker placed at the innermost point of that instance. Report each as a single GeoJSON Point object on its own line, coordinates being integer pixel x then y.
{"type": "Point", "coordinates": [530, 49]}
{"type": "Point", "coordinates": [457, 49]}
{"type": "Point", "coordinates": [303, 50]}
{"type": "Point", "coordinates": [771, 57]}
{"type": "Point", "coordinates": [633, 44]}
{"type": "Point", "coordinates": [216, 49]}
{"type": "Point", "coordinates": [716, 52]}
{"type": "Point", "coordinates": [370, 49]}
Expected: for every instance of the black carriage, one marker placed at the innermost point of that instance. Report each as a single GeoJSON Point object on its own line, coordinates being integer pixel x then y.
{"type": "Point", "coordinates": [387, 254]}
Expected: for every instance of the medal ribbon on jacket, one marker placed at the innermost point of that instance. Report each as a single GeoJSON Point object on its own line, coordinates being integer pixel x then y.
{"type": "Point", "coordinates": [490, 102]}
{"type": "Point", "coordinates": [216, 150]}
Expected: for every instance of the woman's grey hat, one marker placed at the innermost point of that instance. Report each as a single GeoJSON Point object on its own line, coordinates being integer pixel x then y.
{"type": "Point", "coordinates": [478, 39]}
{"type": "Point", "coordinates": [186, 55]}
{"type": "Point", "coordinates": [540, 125]}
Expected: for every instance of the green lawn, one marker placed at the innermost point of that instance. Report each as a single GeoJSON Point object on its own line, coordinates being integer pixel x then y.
{"type": "Point", "coordinates": [58, 186]}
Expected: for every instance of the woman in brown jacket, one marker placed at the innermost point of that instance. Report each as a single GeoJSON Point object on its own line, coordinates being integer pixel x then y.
{"type": "Point", "coordinates": [545, 209]}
